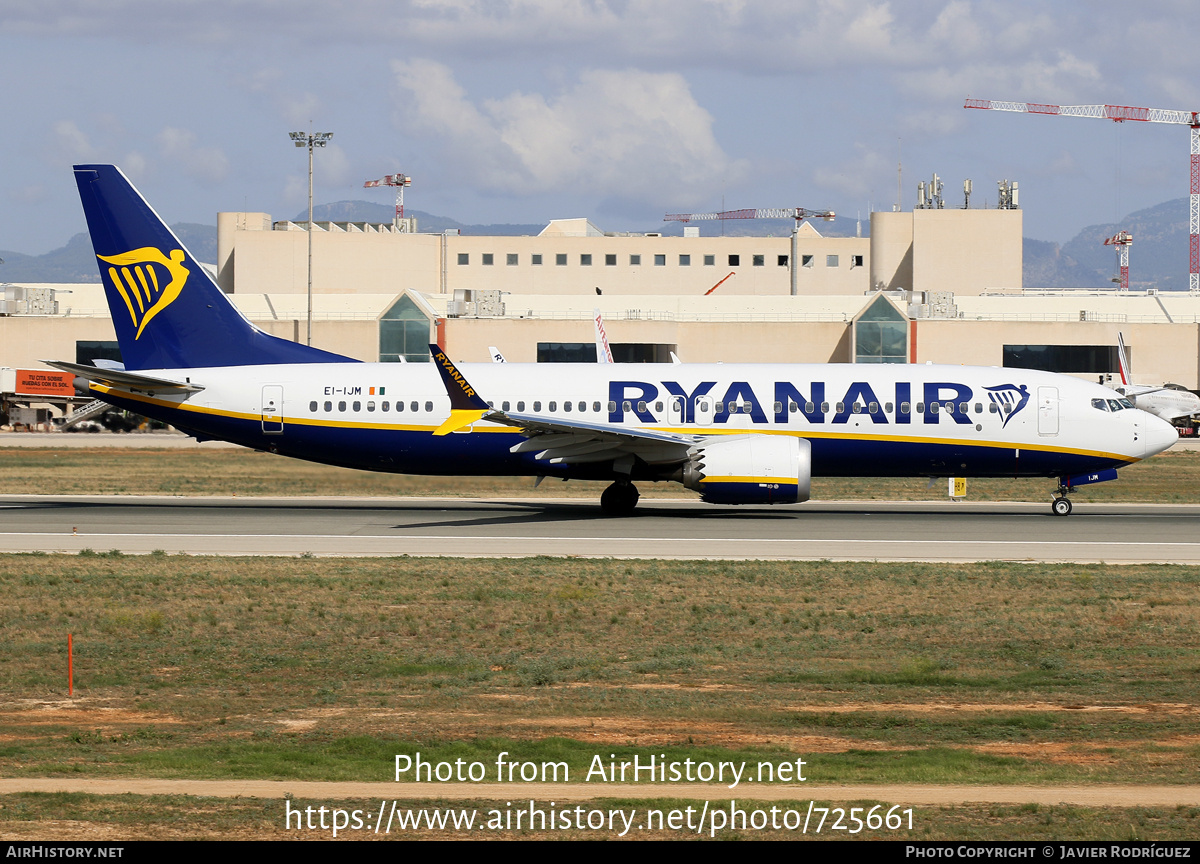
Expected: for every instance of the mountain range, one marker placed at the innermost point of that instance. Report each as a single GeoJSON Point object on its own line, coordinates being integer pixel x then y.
{"type": "Point", "coordinates": [1158, 258]}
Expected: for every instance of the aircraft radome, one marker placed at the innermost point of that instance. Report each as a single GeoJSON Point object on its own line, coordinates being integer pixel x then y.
{"type": "Point", "coordinates": [751, 433]}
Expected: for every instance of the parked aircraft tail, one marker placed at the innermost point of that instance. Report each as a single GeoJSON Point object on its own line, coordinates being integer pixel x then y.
{"type": "Point", "coordinates": [167, 311]}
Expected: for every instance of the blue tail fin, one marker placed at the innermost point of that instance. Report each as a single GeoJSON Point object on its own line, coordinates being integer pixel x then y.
{"type": "Point", "coordinates": [167, 311]}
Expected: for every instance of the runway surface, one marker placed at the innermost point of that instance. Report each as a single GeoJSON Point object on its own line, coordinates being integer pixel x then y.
{"type": "Point", "coordinates": [884, 531]}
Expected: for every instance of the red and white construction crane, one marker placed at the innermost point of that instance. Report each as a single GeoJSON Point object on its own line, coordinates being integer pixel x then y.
{"type": "Point", "coordinates": [399, 181]}
{"type": "Point", "coordinates": [797, 213]}
{"type": "Point", "coordinates": [1119, 114]}
{"type": "Point", "coordinates": [1122, 240]}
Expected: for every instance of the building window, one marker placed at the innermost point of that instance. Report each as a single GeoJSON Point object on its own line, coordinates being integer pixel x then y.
{"type": "Point", "coordinates": [710, 260]}
{"type": "Point", "coordinates": [404, 332]}
{"type": "Point", "coordinates": [561, 259]}
{"type": "Point", "coordinates": [511, 259]}
{"type": "Point", "coordinates": [610, 260]}
{"type": "Point", "coordinates": [782, 261]}
{"type": "Point", "coordinates": [488, 258]}
{"type": "Point", "coordinates": [881, 334]}
{"type": "Point", "coordinates": [758, 260]}
{"type": "Point", "coordinates": [585, 260]}
{"type": "Point", "coordinates": [685, 260]}
{"type": "Point", "coordinates": [660, 260]}
{"type": "Point", "coordinates": [856, 261]}
{"type": "Point", "coordinates": [1077, 359]}
{"type": "Point", "coordinates": [536, 259]}
{"type": "Point", "coordinates": [735, 260]}
{"type": "Point", "coordinates": [87, 351]}
{"type": "Point", "coordinates": [831, 260]}
{"type": "Point", "coordinates": [806, 260]}
{"type": "Point", "coordinates": [635, 260]}
{"type": "Point", "coordinates": [464, 258]}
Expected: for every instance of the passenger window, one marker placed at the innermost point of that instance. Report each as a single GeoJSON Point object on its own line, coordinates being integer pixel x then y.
{"type": "Point", "coordinates": [778, 406]}
{"type": "Point", "coordinates": [905, 407]}
{"type": "Point", "coordinates": [978, 407]}
{"type": "Point", "coordinates": [873, 408]}
{"type": "Point", "coordinates": [520, 406]}
{"type": "Point", "coordinates": [719, 407]}
{"type": "Point", "coordinates": [887, 407]}
{"type": "Point", "coordinates": [399, 406]}
{"type": "Point", "coordinates": [504, 405]}
{"type": "Point", "coordinates": [992, 409]}
{"type": "Point", "coordinates": [793, 407]}
{"type": "Point", "coordinates": [841, 407]}
{"type": "Point", "coordinates": [612, 406]}
{"type": "Point", "coordinates": [964, 408]}
{"type": "Point", "coordinates": [428, 406]}
{"type": "Point", "coordinates": [658, 407]}
{"type": "Point", "coordinates": [413, 407]}
{"type": "Point", "coordinates": [328, 406]}
{"type": "Point", "coordinates": [385, 406]}
{"type": "Point", "coordinates": [824, 407]}
{"type": "Point", "coordinates": [567, 407]}
{"type": "Point", "coordinates": [341, 406]}
{"type": "Point", "coordinates": [357, 406]}
{"type": "Point", "coordinates": [856, 407]}
{"type": "Point", "coordinates": [920, 407]}
{"type": "Point", "coordinates": [809, 407]}
{"type": "Point", "coordinates": [537, 405]}
{"type": "Point", "coordinates": [553, 407]}
{"type": "Point", "coordinates": [596, 407]}
{"type": "Point", "coordinates": [641, 407]}
{"type": "Point", "coordinates": [748, 407]}
{"type": "Point", "coordinates": [370, 406]}
{"type": "Point", "coordinates": [312, 406]}
{"type": "Point", "coordinates": [934, 407]}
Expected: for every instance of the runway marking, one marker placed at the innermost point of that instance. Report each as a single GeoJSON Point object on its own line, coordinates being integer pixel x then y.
{"type": "Point", "coordinates": [598, 537]}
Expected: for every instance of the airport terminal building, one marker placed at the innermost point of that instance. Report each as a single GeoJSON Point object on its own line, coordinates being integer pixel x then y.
{"type": "Point", "coordinates": [928, 285]}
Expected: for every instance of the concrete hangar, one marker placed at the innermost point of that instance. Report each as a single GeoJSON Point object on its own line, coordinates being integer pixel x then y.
{"type": "Point", "coordinates": [931, 284]}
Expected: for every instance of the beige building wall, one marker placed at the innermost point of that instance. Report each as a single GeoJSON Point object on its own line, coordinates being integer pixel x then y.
{"type": "Point", "coordinates": [966, 252]}
{"type": "Point", "coordinates": [468, 339]}
{"type": "Point", "coordinates": [255, 259]}
{"type": "Point", "coordinates": [1158, 352]}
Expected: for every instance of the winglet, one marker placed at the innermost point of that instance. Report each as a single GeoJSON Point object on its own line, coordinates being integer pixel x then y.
{"type": "Point", "coordinates": [466, 406]}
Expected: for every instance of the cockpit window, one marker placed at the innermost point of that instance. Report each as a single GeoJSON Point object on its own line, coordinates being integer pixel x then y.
{"type": "Point", "coordinates": [1114, 405]}
{"type": "Point", "coordinates": [1100, 404]}
{"type": "Point", "coordinates": [1125, 403]}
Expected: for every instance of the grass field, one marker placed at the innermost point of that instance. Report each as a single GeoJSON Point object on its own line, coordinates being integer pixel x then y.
{"type": "Point", "coordinates": [325, 668]}
{"type": "Point", "coordinates": [1172, 477]}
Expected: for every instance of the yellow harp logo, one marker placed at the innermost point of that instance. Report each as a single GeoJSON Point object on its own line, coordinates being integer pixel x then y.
{"type": "Point", "coordinates": [148, 281]}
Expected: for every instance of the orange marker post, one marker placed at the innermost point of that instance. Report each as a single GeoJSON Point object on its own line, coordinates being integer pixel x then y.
{"type": "Point", "coordinates": [70, 668]}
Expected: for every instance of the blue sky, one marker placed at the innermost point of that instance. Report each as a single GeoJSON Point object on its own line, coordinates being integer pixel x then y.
{"type": "Point", "coordinates": [623, 110]}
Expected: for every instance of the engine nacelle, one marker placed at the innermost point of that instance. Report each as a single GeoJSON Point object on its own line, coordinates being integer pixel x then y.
{"type": "Point", "coordinates": [751, 469]}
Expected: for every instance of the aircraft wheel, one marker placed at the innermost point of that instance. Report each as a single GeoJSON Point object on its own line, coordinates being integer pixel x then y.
{"type": "Point", "coordinates": [1061, 507]}
{"type": "Point", "coordinates": [619, 499]}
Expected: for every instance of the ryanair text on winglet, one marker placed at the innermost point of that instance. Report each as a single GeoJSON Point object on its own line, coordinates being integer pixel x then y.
{"type": "Point", "coordinates": [454, 373]}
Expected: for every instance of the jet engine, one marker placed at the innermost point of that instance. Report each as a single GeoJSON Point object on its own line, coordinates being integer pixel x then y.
{"type": "Point", "coordinates": [750, 469]}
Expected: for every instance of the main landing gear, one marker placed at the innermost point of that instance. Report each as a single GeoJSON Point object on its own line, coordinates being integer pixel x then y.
{"type": "Point", "coordinates": [619, 499]}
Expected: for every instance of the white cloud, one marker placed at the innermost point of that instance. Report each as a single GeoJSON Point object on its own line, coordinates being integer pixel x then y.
{"type": "Point", "coordinates": [71, 144]}
{"type": "Point", "coordinates": [625, 134]}
{"type": "Point", "coordinates": [206, 164]}
{"type": "Point", "coordinates": [858, 175]}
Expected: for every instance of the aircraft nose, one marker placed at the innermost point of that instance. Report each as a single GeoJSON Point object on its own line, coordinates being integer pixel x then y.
{"type": "Point", "coordinates": [1158, 435]}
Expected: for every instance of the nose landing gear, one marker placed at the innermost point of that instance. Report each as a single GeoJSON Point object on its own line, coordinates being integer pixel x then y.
{"type": "Point", "coordinates": [1061, 505]}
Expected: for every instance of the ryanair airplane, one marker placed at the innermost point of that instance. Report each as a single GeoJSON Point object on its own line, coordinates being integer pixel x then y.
{"type": "Point", "coordinates": [737, 434]}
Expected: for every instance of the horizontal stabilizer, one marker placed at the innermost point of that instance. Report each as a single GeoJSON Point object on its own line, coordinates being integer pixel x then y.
{"type": "Point", "coordinates": [125, 380]}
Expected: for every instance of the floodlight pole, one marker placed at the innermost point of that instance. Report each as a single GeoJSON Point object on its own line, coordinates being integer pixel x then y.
{"type": "Point", "coordinates": [310, 140]}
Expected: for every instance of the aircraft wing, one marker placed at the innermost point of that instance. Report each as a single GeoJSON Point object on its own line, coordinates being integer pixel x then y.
{"type": "Point", "coordinates": [573, 442]}
{"type": "Point", "coordinates": [558, 440]}
{"type": "Point", "coordinates": [125, 380]}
